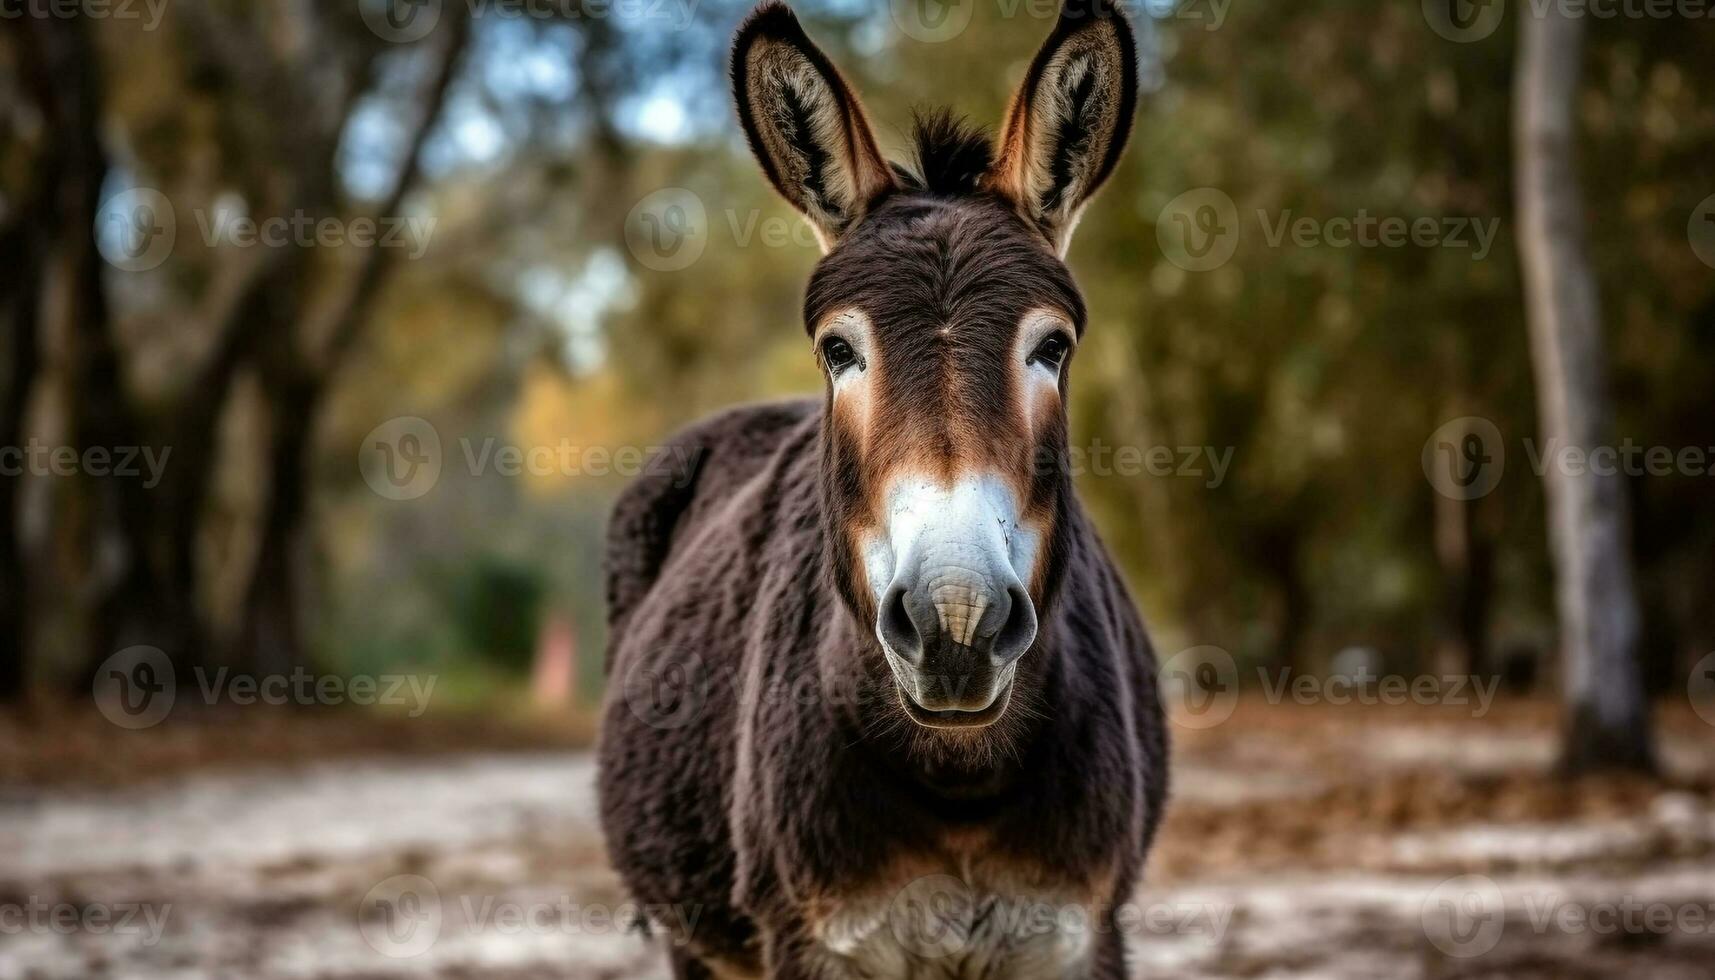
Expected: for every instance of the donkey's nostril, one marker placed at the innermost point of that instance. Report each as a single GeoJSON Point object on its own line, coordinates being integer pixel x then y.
{"type": "Point", "coordinates": [1019, 630]}
{"type": "Point", "coordinates": [898, 630]}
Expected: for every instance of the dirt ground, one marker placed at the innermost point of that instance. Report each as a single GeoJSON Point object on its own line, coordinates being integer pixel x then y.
{"type": "Point", "coordinates": [1303, 842]}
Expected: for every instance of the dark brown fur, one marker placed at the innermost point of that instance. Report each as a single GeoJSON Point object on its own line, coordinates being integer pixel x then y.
{"type": "Point", "coordinates": [756, 766]}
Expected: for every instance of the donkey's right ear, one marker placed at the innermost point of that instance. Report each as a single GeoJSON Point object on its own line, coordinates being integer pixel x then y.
{"type": "Point", "coordinates": [804, 124]}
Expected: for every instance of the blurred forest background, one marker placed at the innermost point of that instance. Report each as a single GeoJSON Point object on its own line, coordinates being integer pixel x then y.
{"type": "Point", "coordinates": [529, 305]}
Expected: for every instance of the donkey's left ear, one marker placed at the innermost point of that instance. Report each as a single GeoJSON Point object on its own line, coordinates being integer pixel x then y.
{"type": "Point", "coordinates": [1069, 120]}
{"type": "Point", "coordinates": [804, 124]}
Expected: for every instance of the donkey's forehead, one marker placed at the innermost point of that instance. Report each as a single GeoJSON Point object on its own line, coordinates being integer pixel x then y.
{"type": "Point", "coordinates": [966, 264]}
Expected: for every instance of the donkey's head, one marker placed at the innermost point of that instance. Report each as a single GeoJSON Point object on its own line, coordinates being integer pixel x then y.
{"type": "Point", "coordinates": [945, 322]}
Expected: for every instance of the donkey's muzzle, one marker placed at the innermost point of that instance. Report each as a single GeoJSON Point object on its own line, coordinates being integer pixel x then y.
{"type": "Point", "coordinates": [953, 614]}
{"type": "Point", "coordinates": [954, 638]}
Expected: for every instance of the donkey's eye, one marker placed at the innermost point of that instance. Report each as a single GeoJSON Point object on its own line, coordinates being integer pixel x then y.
{"type": "Point", "coordinates": [1052, 351]}
{"type": "Point", "coordinates": [838, 355]}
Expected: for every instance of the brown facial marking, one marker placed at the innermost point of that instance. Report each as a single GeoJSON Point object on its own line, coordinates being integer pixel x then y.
{"type": "Point", "coordinates": [852, 391]}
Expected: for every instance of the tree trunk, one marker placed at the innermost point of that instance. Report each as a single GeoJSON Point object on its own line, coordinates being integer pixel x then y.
{"type": "Point", "coordinates": [1465, 553]}
{"type": "Point", "coordinates": [23, 242]}
{"type": "Point", "coordinates": [20, 252]}
{"type": "Point", "coordinates": [270, 634]}
{"type": "Point", "coordinates": [1281, 548]}
{"type": "Point", "coordinates": [129, 607]}
{"type": "Point", "coordinates": [1607, 716]}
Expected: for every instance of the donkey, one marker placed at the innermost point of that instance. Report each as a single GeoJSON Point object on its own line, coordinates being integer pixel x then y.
{"type": "Point", "coordinates": [881, 706]}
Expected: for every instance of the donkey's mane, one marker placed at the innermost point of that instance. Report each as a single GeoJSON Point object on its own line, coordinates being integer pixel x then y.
{"type": "Point", "coordinates": [949, 154]}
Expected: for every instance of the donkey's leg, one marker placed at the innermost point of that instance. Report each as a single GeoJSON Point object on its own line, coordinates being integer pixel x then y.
{"type": "Point", "coordinates": [1108, 963]}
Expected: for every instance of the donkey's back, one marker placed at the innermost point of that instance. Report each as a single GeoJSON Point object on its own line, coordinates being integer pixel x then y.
{"type": "Point", "coordinates": [699, 468]}
{"type": "Point", "coordinates": [686, 546]}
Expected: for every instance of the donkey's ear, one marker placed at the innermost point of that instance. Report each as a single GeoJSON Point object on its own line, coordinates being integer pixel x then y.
{"type": "Point", "coordinates": [804, 124]}
{"type": "Point", "coordinates": [1069, 120]}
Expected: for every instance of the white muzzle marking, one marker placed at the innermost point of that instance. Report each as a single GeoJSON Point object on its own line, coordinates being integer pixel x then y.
{"type": "Point", "coordinates": [948, 572]}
